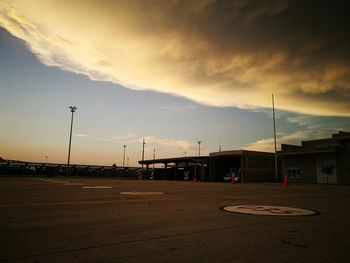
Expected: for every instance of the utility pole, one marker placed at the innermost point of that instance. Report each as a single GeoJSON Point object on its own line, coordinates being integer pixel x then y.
{"type": "Point", "coordinates": [72, 110]}
{"type": "Point", "coordinates": [124, 155]}
{"type": "Point", "coordinates": [199, 148]}
{"type": "Point", "coordinates": [274, 135]}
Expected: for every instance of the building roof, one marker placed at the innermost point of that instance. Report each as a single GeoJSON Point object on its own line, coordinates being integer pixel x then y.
{"type": "Point", "coordinates": [328, 145]}
{"type": "Point", "coordinates": [189, 159]}
{"type": "Point", "coordinates": [237, 153]}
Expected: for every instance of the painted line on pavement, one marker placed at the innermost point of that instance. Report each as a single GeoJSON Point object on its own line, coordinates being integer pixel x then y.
{"type": "Point", "coordinates": [141, 193]}
{"type": "Point", "coordinates": [97, 187]}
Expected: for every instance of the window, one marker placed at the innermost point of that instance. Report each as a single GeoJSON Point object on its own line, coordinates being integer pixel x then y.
{"type": "Point", "coordinates": [294, 172]}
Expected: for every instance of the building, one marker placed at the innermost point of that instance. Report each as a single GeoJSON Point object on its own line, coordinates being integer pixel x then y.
{"type": "Point", "coordinates": [324, 161]}
{"type": "Point", "coordinates": [178, 168]}
{"type": "Point", "coordinates": [250, 166]}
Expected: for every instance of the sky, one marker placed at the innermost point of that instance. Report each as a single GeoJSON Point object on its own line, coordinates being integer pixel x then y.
{"type": "Point", "coordinates": [173, 72]}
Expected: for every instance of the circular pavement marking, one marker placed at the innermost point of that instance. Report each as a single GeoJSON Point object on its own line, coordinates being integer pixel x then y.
{"type": "Point", "coordinates": [141, 193]}
{"type": "Point", "coordinates": [97, 187]}
{"type": "Point", "coordinates": [269, 210]}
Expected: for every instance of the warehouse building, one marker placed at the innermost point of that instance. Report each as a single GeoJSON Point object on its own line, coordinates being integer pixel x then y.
{"type": "Point", "coordinates": [250, 166]}
{"type": "Point", "coordinates": [247, 166]}
{"type": "Point", "coordinates": [325, 161]}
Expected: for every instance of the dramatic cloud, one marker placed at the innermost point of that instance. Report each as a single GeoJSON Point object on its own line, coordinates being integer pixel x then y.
{"type": "Point", "coordinates": [216, 52]}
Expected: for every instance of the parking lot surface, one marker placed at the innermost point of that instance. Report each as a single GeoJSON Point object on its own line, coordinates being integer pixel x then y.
{"type": "Point", "coordinates": [62, 219]}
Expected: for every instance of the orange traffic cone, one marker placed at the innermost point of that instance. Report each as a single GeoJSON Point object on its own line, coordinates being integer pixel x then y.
{"type": "Point", "coordinates": [285, 181]}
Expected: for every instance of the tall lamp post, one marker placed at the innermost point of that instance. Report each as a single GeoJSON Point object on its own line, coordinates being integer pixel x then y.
{"type": "Point", "coordinates": [72, 110]}
{"type": "Point", "coordinates": [199, 148]}
{"type": "Point", "coordinates": [124, 155]}
{"type": "Point", "coordinates": [274, 134]}
{"type": "Point", "coordinates": [154, 156]}
{"type": "Point", "coordinates": [143, 152]}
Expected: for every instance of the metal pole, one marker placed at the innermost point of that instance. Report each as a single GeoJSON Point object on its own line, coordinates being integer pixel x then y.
{"type": "Point", "coordinates": [154, 156]}
{"type": "Point", "coordinates": [199, 148]}
{"type": "Point", "coordinates": [143, 151]}
{"type": "Point", "coordinates": [127, 162]}
{"type": "Point", "coordinates": [274, 134]}
{"type": "Point", "coordinates": [72, 109]}
{"type": "Point", "coordinates": [45, 159]}
{"type": "Point", "coordinates": [124, 155]}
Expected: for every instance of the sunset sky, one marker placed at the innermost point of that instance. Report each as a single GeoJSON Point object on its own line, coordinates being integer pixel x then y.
{"type": "Point", "coordinates": [174, 72]}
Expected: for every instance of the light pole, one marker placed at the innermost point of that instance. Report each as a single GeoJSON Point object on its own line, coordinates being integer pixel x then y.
{"type": "Point", "coordinates": [46, 159]}
{"type": "Point", "coordinates": [143, 152]}
{"type": "Point", "coordinates": [72, 110]}
{"type": "Point", "coordinates": [154, 156]}
{"type": "Point", "coordinates": [127, 162]}
{"type": "Point", "coordinates": [274, 134]}
{"type": "Point", "coordinates": [124, 155]}
{"type": "Point", "coordinates": [199, 148]}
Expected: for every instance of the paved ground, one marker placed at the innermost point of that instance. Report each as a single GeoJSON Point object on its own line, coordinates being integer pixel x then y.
{"type": "Point", "coordinates": [60, 221]}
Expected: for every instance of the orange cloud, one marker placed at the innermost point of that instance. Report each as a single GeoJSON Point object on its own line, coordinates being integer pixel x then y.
{"type": "Point", "coordinates": [233, 53]}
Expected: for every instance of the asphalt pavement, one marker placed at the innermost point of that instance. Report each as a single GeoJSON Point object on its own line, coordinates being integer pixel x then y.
{"type": "Point", "coordinates": [62, 219]}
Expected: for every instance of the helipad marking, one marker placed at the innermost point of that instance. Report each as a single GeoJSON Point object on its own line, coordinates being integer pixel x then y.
{"type": "Point", "coordinates": [269, 210]}
{"type": "Point", "coordinates": [97, 187]}
{"type": "Point", "coordinates": [141, 193]}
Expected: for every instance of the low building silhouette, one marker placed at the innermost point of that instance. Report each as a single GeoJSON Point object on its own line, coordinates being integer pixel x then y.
{"type": "Point", "coordinates": [246, 166]}
{"type": "Point", "coordinates": [249, 166]}
{"type": "Point", "coordinates": [324, 161]}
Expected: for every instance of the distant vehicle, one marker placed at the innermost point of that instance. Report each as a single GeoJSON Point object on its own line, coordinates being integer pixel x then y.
{"type": "Point", "coordinates": [154, 174]}
{"type": "Point", "coordinates": [187, 175]}
{"type": "Point", "coordinates": [235, 173]}
{"type": "Point", "coordinates": [227, 177]}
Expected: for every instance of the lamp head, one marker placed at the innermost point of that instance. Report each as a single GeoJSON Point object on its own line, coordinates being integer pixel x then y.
{"type": "Point", "coordinates": [72, 108]}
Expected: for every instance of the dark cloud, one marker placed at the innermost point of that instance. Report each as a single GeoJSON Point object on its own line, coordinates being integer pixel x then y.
{"type": "Point", "coordinates": [219, 52]}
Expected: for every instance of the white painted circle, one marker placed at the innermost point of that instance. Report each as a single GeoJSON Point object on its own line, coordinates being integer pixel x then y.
{"type": "Point", "coordinates": [268, 210]}
{"type": "Point", "coordinates": [97, 187]}
{"type": "Point", "coordinates": [141, 193]}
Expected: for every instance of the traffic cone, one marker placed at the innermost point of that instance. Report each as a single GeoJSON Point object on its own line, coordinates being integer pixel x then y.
{"type": "Point", "coordinates": [195, 179]}
{"type": "Point", "coordinates": [285, 181]}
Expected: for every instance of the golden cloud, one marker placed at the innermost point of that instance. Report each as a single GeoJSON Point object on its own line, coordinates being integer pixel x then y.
{"type": "Point", "coordinates": [222, 53]}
